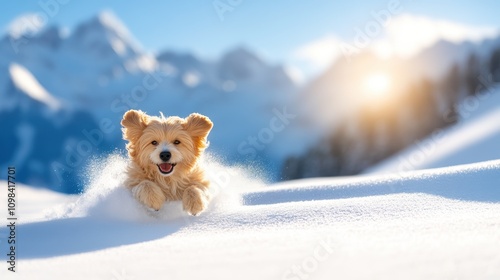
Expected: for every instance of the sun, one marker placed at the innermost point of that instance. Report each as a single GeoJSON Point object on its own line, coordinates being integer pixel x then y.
{"type": "Point", "coordinates": [376, 85]}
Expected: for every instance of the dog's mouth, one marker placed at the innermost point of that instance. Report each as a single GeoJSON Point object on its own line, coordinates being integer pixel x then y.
{"type": "Point", "coordinates": [166, 168]}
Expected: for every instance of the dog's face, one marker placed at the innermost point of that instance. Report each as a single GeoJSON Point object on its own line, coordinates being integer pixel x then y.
{"type": "Point", "coordinates": [167, 146]}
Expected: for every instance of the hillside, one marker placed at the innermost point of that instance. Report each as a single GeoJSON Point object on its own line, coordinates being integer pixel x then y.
{"type": "Point", "coordinates": [475, 138]}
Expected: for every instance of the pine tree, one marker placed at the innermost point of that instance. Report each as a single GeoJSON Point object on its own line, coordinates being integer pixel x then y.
{"type": "Point", "coordinates": [472, 73]}
{"type": "Point", "coordinates": [495, 65]}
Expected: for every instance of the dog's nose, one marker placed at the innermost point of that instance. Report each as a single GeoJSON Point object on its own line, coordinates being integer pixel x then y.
{"type": "Point", "coordinates": [165, 156]}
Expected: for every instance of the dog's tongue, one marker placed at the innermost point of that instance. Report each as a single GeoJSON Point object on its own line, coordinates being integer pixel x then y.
{"type": "Point", "coordinates": [166, 167]}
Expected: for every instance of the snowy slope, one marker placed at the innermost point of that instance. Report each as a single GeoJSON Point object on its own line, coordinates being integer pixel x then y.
{"type": "Point", "coordinates": [434, 224]}
{"type": "Point", "coordinates": [25, 82]}
{"type": "Point", "coordinates": [475, 138]}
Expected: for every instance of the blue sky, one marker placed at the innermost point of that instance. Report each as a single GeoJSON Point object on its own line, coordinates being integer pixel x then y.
{"type": "Point", "coordinates": [275, 29]}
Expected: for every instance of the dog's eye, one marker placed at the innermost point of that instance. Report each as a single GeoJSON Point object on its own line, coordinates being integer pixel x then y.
{"type": "Point", "coordinates": [154, 143]}
{"type": "Point", "coordinates": [177, 142]}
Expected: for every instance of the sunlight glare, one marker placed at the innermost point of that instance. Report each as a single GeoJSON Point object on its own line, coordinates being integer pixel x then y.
{"type": "Point", "coordinates": [377, 85]}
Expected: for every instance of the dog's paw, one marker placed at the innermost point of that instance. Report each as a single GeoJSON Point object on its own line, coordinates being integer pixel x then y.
{"type": "Point", "coordinates": [194, 201]}
{"type": "Point", "coordinates": [149, 195]}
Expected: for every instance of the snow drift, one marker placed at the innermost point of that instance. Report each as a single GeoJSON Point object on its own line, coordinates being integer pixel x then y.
{"type": "Point", "coordinates": [431, 224]}
{"type": "Point", "coordinates": [106, 197]}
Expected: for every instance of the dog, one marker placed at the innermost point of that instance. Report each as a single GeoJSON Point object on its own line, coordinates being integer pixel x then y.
{"type": "Point", "coordinates": [164, 159]}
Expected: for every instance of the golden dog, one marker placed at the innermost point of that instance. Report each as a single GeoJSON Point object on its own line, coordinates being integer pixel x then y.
{"type": "Point", "coordinates": [165, 155]}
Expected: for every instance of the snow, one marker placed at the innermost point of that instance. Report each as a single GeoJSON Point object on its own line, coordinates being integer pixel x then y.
{"type": "Point", "coordinates": [26, 25]}
{"type": "Point", "coordinates": [108, 19]}
{"type": "Point", "coordinates": [432, 224]}
{"type": "Point", "coordinates": [475, 138]}
{"type": "Point", "coordinates": [25, 81]}
{"type": "Point", "coordinates": [35, 202]}
{"type": "Point", "coordinates": [191, 79]}
{"type": "Point", "coordinates": [103, 31]}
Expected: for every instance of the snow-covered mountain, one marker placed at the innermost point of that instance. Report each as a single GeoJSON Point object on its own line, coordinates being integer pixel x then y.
{"type": "Point", "coordinates": [99, 70]}
{"type": "Point", "coordinates": [354, 130]}
{"type": "Point", "coordinates": [448, 54]}
{"type": "Point", "coordinates": [41, 136]}
{"type": "Point", "coordinates": [104, 37]}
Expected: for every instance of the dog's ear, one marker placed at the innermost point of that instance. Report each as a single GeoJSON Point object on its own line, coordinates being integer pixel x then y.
{"type": "Point", "coordinates": [198, 125]}
{"type": "Point", "coordinates": [134, 122]}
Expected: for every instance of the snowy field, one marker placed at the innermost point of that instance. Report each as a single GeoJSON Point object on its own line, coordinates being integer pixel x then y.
{"type": "Point", "coordinates": [433, 224]}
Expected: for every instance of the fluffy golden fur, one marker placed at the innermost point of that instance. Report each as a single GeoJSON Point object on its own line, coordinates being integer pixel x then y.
{"type": "Point", "coordinates": [165, 155]}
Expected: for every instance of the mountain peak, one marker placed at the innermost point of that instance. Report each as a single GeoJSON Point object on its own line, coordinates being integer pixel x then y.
{"type": "Point", "coordinates": [51, 37]}
{"type": "Point", "coordinates": [110, 21]}
{"type": "Point", "coordinates": [242, 64]}
{"type": "Point", "coordinates": [243, 54]}
{"type": "Point", "coordinates": [105, 35]}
